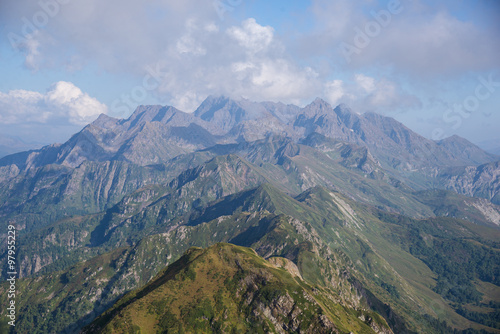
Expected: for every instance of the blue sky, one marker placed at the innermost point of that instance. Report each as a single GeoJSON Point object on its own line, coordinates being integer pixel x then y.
{"type": "Point", "coordinates": [433, 66]}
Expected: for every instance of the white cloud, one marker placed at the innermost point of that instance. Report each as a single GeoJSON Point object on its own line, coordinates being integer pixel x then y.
{"type": "Point", "coordinates": [383, 95]}
{"type": "Point", "coordinates": [197, 53]}
{"type": "Point", "coordinates": [188, 100]}
{"type": "Point", "coordinates": [439, 44]}
{"type": "Point", "coordinates": [70, 100]}
{"type": "Point", "coordinates": [334, 91]}
{"type": "Point", "coordinates": [118, 35]}
{"type": "Point", "coordinates": [31, 47]}
{"type": "Point", "coordinates": [422, 39]}
{"type": "Point", "coordinates": [21, 106]}
{"type": "Point", "coordinates": [252, 35]}
{"type": "Point", "coordinates": [63, 103]}
{"type": "Point", "coordinates": [279, 79]}
{"type": "Point", "coordinates": [365, 82]}
{"type": "Point", "coordinates": [366, 93]}
{"type": "Point", "coordinates": [125, 35]}
{"type": "Point", "coordinates": [188, 43]}
{"type": "Point", "coordinates": [211, 27]}
{"type": "Point", "coordinates": [243, 60]}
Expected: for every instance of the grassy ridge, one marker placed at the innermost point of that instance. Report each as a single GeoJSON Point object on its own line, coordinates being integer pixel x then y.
{"type": "Point", "coordinates": [229, 289]}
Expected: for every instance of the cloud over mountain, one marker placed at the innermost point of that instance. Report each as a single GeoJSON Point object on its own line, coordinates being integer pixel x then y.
{"type": "Point", "coordinates": [63, 101]}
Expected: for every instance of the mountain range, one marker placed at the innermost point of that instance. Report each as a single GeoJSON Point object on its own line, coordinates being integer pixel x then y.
{"type": "Point", "coordinates": [254, 217]}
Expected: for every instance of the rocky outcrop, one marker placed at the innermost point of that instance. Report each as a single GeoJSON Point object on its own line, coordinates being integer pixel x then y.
{"type": "Point", "coordinates": [481, 181]}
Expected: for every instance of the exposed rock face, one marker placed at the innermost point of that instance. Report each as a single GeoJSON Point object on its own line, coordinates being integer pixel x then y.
{"type": "Point", "coordinates": [286, 264]}
{"type": "Point", "coordinates": [8, 172]}
{"type": "Point", "coordinates": [481, 181]}
{"type": "Point", "coordinates": [491, 212]}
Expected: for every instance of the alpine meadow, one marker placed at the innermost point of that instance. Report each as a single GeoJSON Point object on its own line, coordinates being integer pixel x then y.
{"type": "Point", "coordinates": [304, 166]}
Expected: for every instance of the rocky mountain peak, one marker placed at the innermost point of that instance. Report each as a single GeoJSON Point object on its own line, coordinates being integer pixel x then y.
{"type": "Point", "coordinates": [222, 112]}
{"type": "Point", "coordinates": [222, 120]}
{"type": "Point", "coordinates": [105, 121]}
{"type": "Point", "coordinates": [211, 104]}
{"type": "Point", "coordinates": [317, 107]}
{"type": "Point", "coordinates": [347, 116]}
{"type": "Point", "coordinates": [459, 147]}
{"type": "Point", "coordinates": [154, 113]}
{"type": "Point", "coordinates": [456, 141]}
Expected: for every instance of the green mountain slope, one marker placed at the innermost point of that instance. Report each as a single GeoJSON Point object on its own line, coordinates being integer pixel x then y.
{"type": "Point", "coordinates": [43, 195]}
{"type": "Point", "coordinates": [135, 216]}
{"type": "Point", "coordinates": [46, 194]}
{"type": "Point", "coordinates": [450, 204]}
{"type": "Point", "coordinates": [296, 168]}
{"type": "Point", "coordinates": [229, 289]}
{"type": "Point", "coordinates": [108, 276]}
{"type": "Point", "coordinates": [337, 244]}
